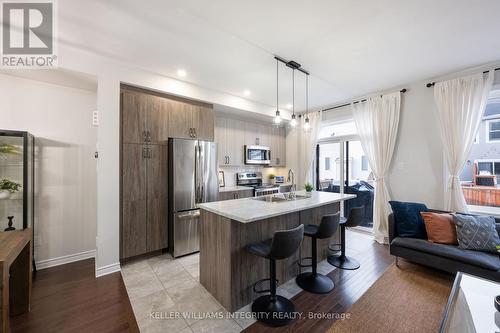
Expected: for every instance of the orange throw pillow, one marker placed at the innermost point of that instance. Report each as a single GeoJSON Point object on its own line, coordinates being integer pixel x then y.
{"type": "Point", "coordinates": [440, 228]}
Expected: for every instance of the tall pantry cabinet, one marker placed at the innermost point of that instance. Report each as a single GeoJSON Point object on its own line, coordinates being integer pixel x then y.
{"type": "Point", "coordinates": [148, 119]}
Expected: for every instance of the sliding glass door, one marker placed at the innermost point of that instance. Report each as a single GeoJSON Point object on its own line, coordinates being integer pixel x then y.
{"type": "Point", "coordinates": [342, 167]}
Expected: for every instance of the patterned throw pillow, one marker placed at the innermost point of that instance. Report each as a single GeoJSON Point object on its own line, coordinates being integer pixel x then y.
{"type": "Point", "coordinates": [477, 233]}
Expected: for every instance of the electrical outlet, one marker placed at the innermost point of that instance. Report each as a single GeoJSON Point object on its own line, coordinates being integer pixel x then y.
{"type": "Point", "coordinates": [95, 118]}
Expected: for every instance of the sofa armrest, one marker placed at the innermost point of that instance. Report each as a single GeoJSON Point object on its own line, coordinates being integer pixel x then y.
{"type": "Point", "coordinates": [392, 228]}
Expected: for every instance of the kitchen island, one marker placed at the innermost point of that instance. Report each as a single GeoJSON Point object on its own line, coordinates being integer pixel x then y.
{"type": "Point", "coordinates": [227, 270]}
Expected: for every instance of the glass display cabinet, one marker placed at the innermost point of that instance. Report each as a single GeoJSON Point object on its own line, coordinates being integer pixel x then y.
{"type": "Point", "coordinates": [16, 180]}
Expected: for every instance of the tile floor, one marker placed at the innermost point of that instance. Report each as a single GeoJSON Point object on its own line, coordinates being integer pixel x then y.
{"type": "Point", "coordinates": [161, 287]}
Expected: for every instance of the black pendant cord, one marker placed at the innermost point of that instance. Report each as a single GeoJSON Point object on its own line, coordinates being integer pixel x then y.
{"type": "Point", "coordinates": [293, 92]}
{"type": "Point", "coordinates": [277, 86]}
{"type": "Point", "coordinates": [431, 84]}
{"type": "Point", "coordinates": [307, 96]}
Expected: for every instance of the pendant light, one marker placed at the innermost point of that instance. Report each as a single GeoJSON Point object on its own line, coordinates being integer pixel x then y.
{"type": "Point", "coordinates": [277, 118]}
{"type": "Point", "coordinates": [307, 125]}
{"type": "Point", "coordinates": [293, 122]}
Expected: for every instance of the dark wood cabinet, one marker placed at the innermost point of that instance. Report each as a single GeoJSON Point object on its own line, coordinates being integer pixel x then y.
{"type": "Point", "coordinates": [148, 119]}
{"type": "Point", "coordinates": [144, 199]}
{"type": "Point", "coordinates": [145, 118]}
{"type": "Point", "coordinates": [191, 121]}
{"type": "Point", "coordinates": [133, 228]}
{"type": "Point", "coordinates": [157, 199]}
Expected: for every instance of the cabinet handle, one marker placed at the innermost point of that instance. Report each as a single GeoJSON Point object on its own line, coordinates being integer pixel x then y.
{"type": "Point", "coordinates": [228, 160]}
{"type": "Point", "coordinates": [150, 153]}
{"type": "Point", "coordinates": [144, 135]}
{"type": "Point", "coordinates": [143, 152]}
{"type": "Point", "coordinates": [194, 132]}
{"type": "Point", "coordinates": [149, 137]}
{"type": "Point", "coordinates": [191, 134]}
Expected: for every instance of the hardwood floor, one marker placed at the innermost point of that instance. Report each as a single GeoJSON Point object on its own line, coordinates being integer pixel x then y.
{"type": "Point", "coordinates": [69, 298]}
{"type": "Point", "coordinates": [349, 287]}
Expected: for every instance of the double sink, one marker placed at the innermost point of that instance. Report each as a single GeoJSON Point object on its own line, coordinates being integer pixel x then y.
{"type": "Point", "coordinates": [283, 197]}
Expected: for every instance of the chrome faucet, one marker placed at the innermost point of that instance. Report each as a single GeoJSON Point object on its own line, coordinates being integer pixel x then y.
{"type": "Point", "coordinates": [291, 177]}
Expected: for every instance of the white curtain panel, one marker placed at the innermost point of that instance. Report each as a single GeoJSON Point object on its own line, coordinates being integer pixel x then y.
{"type": "Point", "coordinates": [460, 104]}
{"type": "Point", "coordinates": [307, 148]}
{"type": "Point", "coordinates": [377, 122]}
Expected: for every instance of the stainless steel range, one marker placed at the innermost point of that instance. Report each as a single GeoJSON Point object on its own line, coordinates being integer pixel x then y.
{"type": "Point", "coordinates": [254, 179]}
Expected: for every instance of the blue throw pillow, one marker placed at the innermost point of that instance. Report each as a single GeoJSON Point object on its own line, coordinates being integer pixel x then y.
{"type": "Point", "coordinates": [477, 232]}
{"type": "Point", "coordinates": [409, 222]}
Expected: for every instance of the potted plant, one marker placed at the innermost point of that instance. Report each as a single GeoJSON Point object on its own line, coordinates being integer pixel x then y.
{"type": "Point", "coordinates": [7, 187]}
{"type": "Point", "coordinates": [308, 187]}
{"type": "Point", "coordinates": [6, 148]}
{"type": "Point", "coordinates": [272, 178]}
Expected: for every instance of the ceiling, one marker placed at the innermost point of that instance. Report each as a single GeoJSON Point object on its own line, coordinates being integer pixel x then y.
{"type": "Point", "coordinates": [351, 47]}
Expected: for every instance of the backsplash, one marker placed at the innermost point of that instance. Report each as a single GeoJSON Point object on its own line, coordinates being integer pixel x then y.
{"type": "Point", "coordinates": [230, 173]}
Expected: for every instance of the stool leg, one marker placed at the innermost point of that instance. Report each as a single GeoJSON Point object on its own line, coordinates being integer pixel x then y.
{"type": "Point", "coordinates": [313, 281]}
{"type": "Point", "coordinates": [342, 261]}
{"type": "Point", "coordinates": [272, 309]}
{"type": "Point", "coordinates": [342, 241]}
{"type": "Point", "coordinates": [272, 282]}
{"type": "Point", "coordinates": [314, 256]}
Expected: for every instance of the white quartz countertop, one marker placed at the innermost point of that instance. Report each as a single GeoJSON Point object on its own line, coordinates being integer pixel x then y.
{"type": "Point", "coordinates": [234, 188]}
{"type": "Point", "coordinates": [249, 210]}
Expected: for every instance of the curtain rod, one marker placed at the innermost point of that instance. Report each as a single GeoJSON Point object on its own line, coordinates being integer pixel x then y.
{"type": "Point", "coordinates": [431, 84]}
{"type": "Point", "coordinates": [363, 100]}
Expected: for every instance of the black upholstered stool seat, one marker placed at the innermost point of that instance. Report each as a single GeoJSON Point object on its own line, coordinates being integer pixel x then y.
{"type": "Point", "coordinates": [310, 229]}
{"type": "Point", "coordinates": [272, 309]}
{"type": "Point", "coordinates": [262, 249]}
{"type": "Point", "coordinates": [315, 282]}
{"type": "Point", "coordinates": [341, 261]}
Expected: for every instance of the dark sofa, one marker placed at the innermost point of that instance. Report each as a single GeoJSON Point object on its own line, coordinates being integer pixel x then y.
{"type": "Point", "coordinates": [444, 257]}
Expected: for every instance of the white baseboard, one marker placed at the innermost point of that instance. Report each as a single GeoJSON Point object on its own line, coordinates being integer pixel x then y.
{"type": "Point", "coordinates": [108, 269]}
{"type": "Point", "coordinates": [42, 264]}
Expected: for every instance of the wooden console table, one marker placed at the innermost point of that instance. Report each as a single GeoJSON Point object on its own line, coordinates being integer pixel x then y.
{"type": "Point", "coordinates": [15, 266]}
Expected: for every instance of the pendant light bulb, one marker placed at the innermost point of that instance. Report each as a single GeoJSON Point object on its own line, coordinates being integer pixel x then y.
{"type": "Point", "coordinates": [293, 122]}
{"type": "Point", "coordinates": [277, 118]}
{"type": "Point", "coordinates": [307, 125]}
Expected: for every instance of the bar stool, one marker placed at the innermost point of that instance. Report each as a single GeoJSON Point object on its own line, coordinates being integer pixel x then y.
{"type": "Point", "coordinates": [341, 261]}
{"type": "Point", "coordinates": [272, 309]}
{"type": "Point", "coordinates": [315, 282]}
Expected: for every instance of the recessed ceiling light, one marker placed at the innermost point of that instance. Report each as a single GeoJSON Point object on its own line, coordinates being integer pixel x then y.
{"type": "Point", "coordinates": [289, 106]}
{"type": "Point", "coordinates": [247, 92]}
{"type": "Point", "coordinates": [181, 73]}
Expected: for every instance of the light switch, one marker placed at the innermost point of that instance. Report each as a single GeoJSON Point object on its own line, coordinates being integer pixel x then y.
{"type": "Point", "coordinates": [95, 118]}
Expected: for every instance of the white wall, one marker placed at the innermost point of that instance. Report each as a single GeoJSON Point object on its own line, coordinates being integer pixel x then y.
{"type": "Point", "coordinates": [417, 167]}
{"type": "Point", "coordinates": [61, 120]}
{"type": "Point", "coordinates": [416, 172]}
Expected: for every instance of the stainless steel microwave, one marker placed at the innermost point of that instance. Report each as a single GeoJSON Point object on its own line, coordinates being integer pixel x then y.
{"type": "Point", "coordinates": [257, 155]}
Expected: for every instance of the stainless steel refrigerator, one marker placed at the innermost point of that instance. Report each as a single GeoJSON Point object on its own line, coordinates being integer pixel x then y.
{"type": "Point", "coordinates": [192, 180]}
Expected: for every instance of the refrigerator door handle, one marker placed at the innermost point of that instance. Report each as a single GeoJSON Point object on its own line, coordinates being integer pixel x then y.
{"type": "Point", "coordinates": [196, 171]}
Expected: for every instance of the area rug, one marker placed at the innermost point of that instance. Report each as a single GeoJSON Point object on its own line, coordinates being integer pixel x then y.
{"type": "Point", "coordinates": [407, 298]}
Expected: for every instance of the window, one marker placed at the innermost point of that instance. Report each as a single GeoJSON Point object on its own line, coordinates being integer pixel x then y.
{"type": "Point", "coordinates": [493, 128]}
{"type": "Point", "coordinates": [480, 176]}
{"type": "Point", "coordinates": [337, 129]}
{"type": "Point", "coordinates": [342, 166]}
{"type": "Point", "coordinates": [364, 163]}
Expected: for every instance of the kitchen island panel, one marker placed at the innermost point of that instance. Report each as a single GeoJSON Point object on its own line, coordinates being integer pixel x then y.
{"type": "Point", "coordinates": [228, 271]}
